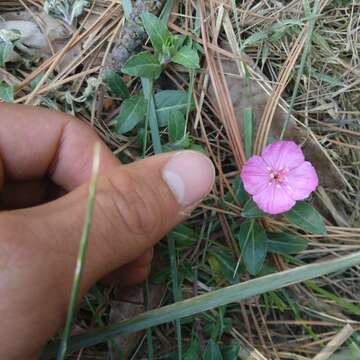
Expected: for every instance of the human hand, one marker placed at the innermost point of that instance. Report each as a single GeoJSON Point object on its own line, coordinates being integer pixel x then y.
{"type": "Point", "coordinates": [136, 205]}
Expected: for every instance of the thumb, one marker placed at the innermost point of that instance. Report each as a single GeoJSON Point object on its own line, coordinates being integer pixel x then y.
{"type": "Point", "coordinates": [135, 206]}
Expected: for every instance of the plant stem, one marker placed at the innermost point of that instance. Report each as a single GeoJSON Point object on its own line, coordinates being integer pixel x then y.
{"type": "Point", "coordinates": [81, 257]}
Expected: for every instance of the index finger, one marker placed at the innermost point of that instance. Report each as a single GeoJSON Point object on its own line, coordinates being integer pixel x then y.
{"type": "Point", "coordinates": [37, 142]}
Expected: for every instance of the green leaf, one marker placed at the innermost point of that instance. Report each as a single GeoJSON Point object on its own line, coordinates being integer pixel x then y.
{"type": "Point", "coordinates": [225, 265]}
{"type": "Point", "coordinates": [157, 31]}
{"type": "Point", "coordinates": [183, 236]}
{"type": "Point", "coordinates": [5, 49]}
{"type": "Point", "coordinates": [176, 124]}
{"type": "Point", "coordinates": [143, 65]}
{"type": "Point", "coordinates": [207, 301]}
{"type": "Point", "coordinates": [178, 42]}
{"type": "Point", "coordinates": [253, 243]}
{"type": "Point", "coordinates": [251, 210]}
{"type": "Point", "coordinates": [199, 48]}
{"type": "Point", "coordinates": [254, 38]}
{"type": "Point", "coordinates": [6, 92]}
{"type": "Point", "coordinates": [184, 143]}
{"type": "Point", "coordinates": [196, 147]}
{"type": "Point", "coordinates": [192, 353]}
{"type": "Point", "coordinates": [116, 84]}
{"type": "Point", "coordinates": [239, 190]}
{"type": "Point", "coordinates": [231, 352]}
{"type": "Point", "coordinates": [171, 100]}
{"type": "Point", "coordinates": [215, 269]}
{"type": "Point", "coordinates": [132, 113]}
{"type": "Point", "coordinates": [327, 78]}
{"type": "Point", "coordinates": [283, 243]}
{"type": "Point", "coordinates": [344, 303]}
{"type": "Point", "coordinates": [187, 57]}
{"type": "Point", "coordinates": [212, 351]}
{"type": "Point", "coordinates": [306, 218]}
{"type": "Point", "coordinates": [151, 115]}
{"type": "Point", "coordinates": [276, 36]}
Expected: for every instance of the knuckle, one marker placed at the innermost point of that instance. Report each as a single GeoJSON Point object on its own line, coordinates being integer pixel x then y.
{"type": "Point", "coordinates": [134, 204]}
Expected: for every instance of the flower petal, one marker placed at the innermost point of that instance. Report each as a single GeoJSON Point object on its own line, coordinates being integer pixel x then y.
{"type": "Point", "coordinates": [274, 200]}
{"type": "Point", "coordinates": [254, 175]}
{"type": "Point", "coordinates": [283, 154]}
{"type": "Point", "coordinates": [302, 181]}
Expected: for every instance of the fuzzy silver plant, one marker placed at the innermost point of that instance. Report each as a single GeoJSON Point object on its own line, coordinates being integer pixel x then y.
{"type": "Point", "coordinates": [68, 10]}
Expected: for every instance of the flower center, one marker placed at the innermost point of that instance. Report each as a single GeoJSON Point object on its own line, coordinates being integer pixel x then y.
{"type": "Point", "coordinates": [278, 176]}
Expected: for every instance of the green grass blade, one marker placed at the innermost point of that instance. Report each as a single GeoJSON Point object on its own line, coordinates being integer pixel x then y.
{"type": "Point", "coordinates": [81, 257]}
{"type": "Point", "coordinates": [151, 116]}
{"type": "Point", "coordinates": [190, 97]}
{"type": "Point", "coordinates": [345, 304]}
{"type": "Point", "coordinates": [154, 127]}
{"type": "Point", "coordinates": [198, 304]}
{"type": "Point", "coordinates": [248, 130]}
{"type": "Point", "coordinates": [175, 289]}
{"type": "Point", "coordinates": [166, 11]}
{"type": "Point", "coordinates": [149, 339]}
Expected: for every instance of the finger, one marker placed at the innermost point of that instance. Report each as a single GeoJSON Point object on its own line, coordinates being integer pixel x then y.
{"type": "Point", "coordinates": [36, 142]}
{"type": "Point", "coordinates": [133, 273]}
{"type": "Point", "coordinates": [145, 259]}
{"type": "Point", "coordinates": [128, 275]}
{"type": "Point", "coordinates": [16, 195]}
{"type": "Point", "coordinates": [136, 205]}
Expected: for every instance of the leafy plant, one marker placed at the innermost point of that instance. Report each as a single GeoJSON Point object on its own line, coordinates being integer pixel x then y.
{"type": "Point", "coordinates": [163, 109]}
{"type": "Point", "coordinates": [169, 48]}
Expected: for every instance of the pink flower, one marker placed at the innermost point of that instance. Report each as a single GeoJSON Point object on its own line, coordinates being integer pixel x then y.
{"type": "Point", "coordinates": [279, 177]}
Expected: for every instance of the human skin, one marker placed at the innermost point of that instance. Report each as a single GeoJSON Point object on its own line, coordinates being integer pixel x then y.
{"type": "Point", "coordinates": [135, 206]}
